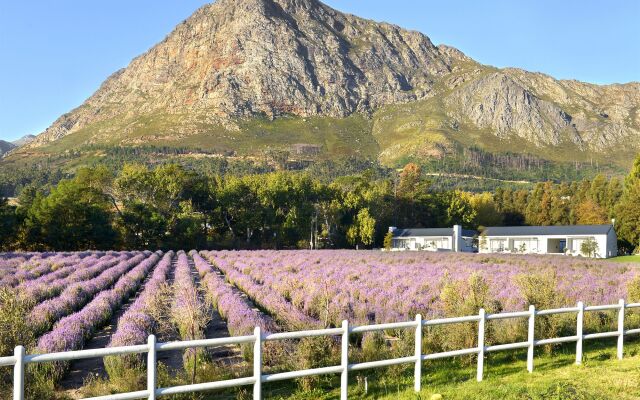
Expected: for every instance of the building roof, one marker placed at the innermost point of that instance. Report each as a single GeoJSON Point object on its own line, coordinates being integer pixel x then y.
{"type": "Point", "coordinates": [422, 232]}
{"type": "Point", "coordinates": [547, 230]}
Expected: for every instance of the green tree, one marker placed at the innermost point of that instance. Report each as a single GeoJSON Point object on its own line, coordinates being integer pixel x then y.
{"type": "Point", "coordinates": [486, 210]}
{"type": "Point", "coordinates": [589, 247]}
{"type": "Point", "coordinates": [388, 241]}
{"type": "Point", "coordinates": [363, 229]}
{"type": "Point", "coordinates": [627, 211]}
{"type": "Point", "coordinates": [628, 216]}
{"type": "Point", "coordinates": [8, 224]}
{"type": "Point", "coordinates": [459, 209]}
{"type": "Point", "coordinates": [72, 217]}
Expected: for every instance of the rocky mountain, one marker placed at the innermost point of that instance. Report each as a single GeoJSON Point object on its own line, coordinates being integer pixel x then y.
{"type": "Point", "coordinates": [244, 75]}
{"type": "Point", "coordinates": [26, 139]}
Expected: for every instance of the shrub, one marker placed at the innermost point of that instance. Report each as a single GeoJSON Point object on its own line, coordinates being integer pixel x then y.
{"type": "Point", "coordinates": [315, 353]}
{"type": "Point", "coordinates": [14, 328]}
{"type": "Point", "coordinates": [541, 290]}
{"type": "Point", "coordinates": [460, 298]}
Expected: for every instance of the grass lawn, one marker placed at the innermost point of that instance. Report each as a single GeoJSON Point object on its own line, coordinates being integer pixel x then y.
{"type": "Point", "coordinates": [625, 259]}
{"type": "Point", "coordinates": [600, 377]}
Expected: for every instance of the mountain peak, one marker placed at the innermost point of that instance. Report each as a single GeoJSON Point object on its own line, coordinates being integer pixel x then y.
{"type": "Point", "coordinates": [267, 57]}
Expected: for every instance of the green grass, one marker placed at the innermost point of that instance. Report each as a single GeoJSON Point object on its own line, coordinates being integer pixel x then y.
{"type": "Point", "coordinates": [601, 376]}
{"type": "Point", "coordinates": [626, 259]}
{"type": "Point", "coordinates": [552, 378]}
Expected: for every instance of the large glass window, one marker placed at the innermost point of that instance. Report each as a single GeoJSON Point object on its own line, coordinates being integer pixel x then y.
{"type": "Point", "coordinates": [498, 245]}
{"type": "Point", "coordinates": [525, 245]}
{"type": "Point", "coordinates": [437, 243]}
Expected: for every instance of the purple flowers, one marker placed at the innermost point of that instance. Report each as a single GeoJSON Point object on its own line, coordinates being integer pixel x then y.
{"type": "Point", "coordinates": [19, 270]}
{"type": "Point", "coordinates": [137, 323]}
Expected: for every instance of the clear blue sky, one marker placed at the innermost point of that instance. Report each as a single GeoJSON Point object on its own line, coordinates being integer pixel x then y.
{"type": "Point", "coordinates": [54, 54]}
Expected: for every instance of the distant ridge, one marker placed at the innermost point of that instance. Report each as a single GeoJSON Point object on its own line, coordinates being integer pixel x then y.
{"type": "Point", "coordinates": [26, 139]}
{"type": "Point", "coordinates": [5, 147]}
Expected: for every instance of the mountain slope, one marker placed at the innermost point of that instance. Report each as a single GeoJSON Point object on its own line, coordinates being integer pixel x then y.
{"type": "Point", "coordinates": [245, 75]}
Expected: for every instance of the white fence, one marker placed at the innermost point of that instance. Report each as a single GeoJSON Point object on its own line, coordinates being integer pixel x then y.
{"type": "Point", "coordinates": [19, 359]}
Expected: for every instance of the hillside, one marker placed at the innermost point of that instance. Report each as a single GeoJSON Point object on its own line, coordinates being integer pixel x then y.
{"type": "Point", "coordinates": [244, 76]}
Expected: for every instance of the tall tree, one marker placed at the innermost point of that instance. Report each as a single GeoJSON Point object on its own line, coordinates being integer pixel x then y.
{"type": "Point", "coordinates": [627, 211]}
{"type": "Point", "coordinates": [8, 224]}
{"type": "Point", "coordinates": [72, 217]}
{"type": "Point", "coordinates": [590, 212]}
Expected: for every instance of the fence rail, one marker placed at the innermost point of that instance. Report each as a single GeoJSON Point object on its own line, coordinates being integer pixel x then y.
{"type": "Point", "coordinates": [19, 360]}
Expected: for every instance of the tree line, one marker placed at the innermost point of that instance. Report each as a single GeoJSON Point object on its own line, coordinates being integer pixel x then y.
{"type": "Point", "coordinates": [173, 206]}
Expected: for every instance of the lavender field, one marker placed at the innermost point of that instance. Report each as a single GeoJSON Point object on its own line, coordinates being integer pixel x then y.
{"type": "Point", "coordinates": [367, 287]}
{"type": "Point", "coordinates": [66, 301]}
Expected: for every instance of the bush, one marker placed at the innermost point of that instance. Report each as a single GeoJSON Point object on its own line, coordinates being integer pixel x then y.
{"type": "Point", "coordinates": [462, 298]}
{"type": "Point", "coordinates": [14, 329]}
{"type": "Point", "coordinates": [315, 353]}
{"type": "Point", "coordinates": [541, 290]}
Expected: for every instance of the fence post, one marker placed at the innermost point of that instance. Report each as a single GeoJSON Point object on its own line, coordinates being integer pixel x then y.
{"type": "Point", "coordinates": [257, 364]}
{"type": "Point", "coordinates": [344, 361]}
{"type": "Point", "coordinates": [152, 360]}
{"type": "Point", "coordinates": [621, 329]}
{"type": "Point", "coordinates": [580, 321]}
{"type": "Point", "coordinates": [418, 342]}
{"type": "Point", "coordinates": [531, 337]}
{"type": "Point", "coordinates": [18, 373]}
{"type": "Point", "coordinates": [481, 344]}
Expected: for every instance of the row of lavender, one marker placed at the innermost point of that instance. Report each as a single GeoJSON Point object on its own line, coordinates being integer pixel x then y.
{"type": "Point", "coordinates": [72, 331]}
{"type": "Point", "coordinates": [367, 287]}
{"type": "Point", "coordinates": [19, 269]}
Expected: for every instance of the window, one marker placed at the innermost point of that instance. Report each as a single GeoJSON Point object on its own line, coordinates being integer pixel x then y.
{"type": "Point", "coordinates": [525, 245]}
{"type": "Point", "coordinates": [435, 243]}
{"type": "Point", "coordinates": [498, 245]}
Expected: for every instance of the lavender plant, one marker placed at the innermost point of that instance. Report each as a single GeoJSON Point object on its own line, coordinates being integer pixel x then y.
{"type": "Point", "coordinates": [190, 313]}
{"type": "Point", "coordinates": [141, 319]}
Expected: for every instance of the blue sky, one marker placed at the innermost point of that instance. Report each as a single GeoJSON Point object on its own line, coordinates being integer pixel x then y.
{"type": "Point", "coordinates": [54, 54]}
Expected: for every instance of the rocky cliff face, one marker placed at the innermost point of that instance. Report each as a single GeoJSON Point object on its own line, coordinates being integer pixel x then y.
{"type": "Point", "coordinates": [242, 58]}
{"type": "Point", "coordinates": [237, 59]}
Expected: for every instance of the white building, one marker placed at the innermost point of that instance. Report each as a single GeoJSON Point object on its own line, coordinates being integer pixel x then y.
{"type": "Point", "coordinates": [567, 240]}
{"type": "Point", "coordinates": [433, 239]}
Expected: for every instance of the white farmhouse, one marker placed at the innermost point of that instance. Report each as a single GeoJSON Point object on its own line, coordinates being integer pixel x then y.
{"type": "Point", "coordinates": [577, 240]}
{"type": "Point", "coordinates": [433, 239]}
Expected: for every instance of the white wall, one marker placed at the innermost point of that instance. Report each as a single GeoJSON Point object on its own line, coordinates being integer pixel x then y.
{"type": "Point", "coordinates": [607, 244]}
